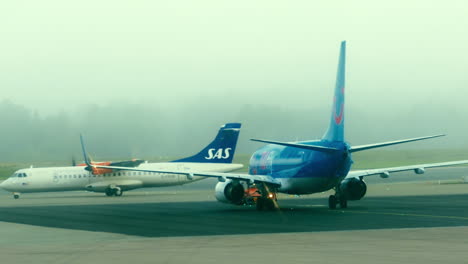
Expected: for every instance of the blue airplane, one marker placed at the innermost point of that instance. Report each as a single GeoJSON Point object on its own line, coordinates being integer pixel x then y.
{"type": "Point", "coordinates": [304, 167]}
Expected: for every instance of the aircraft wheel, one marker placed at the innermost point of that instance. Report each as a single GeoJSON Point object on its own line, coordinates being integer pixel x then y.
{"type": "Point", "coordinates": [343, 203]}
{"type": "Point", "coordinates": [109, 192]}
{"type": "Point", "coordinates": [260, 204]}
{"type": "Point", "coordinates": [332, 201]}
{"type": "Point", "coordinates": [16, 196]}
{"type": "Point", "coordinates": [118, 192]}
{"type": "Point", "coordinates": [269, 204]}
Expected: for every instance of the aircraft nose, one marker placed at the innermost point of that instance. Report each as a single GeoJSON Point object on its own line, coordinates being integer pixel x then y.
{"type": "Point", "coordinates": [3, 184]}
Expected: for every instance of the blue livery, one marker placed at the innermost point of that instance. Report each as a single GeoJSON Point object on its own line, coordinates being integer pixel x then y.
{"type": "Point", "coordinates": [315, 166]}
{"type": "Point", "coordinates": [221, 149]}
{"type": "Point", "coordinates": [327, 160]}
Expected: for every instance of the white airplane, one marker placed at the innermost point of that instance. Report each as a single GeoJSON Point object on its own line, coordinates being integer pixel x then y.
{"type": "Point", "coordinates": [303, 167]}
{"type": "Point", "coordinates": [216, 157]}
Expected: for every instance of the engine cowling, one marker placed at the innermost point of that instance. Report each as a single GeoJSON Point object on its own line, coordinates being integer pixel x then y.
{"type": "Point", "coordinates": [230, 192]}
{"type": "Point", "coordinates": [353, 188]}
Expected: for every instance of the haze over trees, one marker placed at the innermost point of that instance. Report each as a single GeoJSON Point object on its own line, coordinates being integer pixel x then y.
{"type": "Point", "coordinates": [124, 130]}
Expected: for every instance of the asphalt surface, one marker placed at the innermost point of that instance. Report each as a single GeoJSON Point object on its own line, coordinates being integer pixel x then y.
{"type": "Point", "coordinates": [168, 219]}
{"type": "Point", "coordinates": [421, 222]}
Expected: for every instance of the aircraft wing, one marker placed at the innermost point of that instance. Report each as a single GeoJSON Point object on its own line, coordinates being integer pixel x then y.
{"type": "Point", "coordinates": [222, 176]}
{"type": "Point", "coordinates": [418, 169]}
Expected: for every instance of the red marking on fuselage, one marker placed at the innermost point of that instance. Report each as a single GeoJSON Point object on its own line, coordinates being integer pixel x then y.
{"type": "Point", "coordinates": [264, 160]}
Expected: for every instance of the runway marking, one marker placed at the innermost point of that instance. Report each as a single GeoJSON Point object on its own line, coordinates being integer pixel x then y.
{"type": "Point", "coordinates": [407, 214]}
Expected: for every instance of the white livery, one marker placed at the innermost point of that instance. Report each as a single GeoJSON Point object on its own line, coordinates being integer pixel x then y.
{"type": "Point", "coordinates": [216, 157]}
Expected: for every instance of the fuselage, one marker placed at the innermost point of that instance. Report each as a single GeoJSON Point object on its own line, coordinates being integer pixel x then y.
{"type": "Point", "coordinates": [303, 171]}
{"type": "Point", "coordinates": [78, 178]}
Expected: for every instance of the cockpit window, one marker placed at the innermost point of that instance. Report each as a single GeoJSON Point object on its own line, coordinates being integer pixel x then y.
{"type": "Point", "coordinates": [19, 175]}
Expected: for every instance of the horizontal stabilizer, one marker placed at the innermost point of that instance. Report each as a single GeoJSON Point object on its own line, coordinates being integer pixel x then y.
{"type": "Point", "coordinates": [389, 143]}
{"type": "Point", "coordinates": [297, 145]}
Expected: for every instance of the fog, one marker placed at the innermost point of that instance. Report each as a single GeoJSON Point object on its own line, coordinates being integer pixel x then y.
{"type": "Point", "coordinates": [154, 78]}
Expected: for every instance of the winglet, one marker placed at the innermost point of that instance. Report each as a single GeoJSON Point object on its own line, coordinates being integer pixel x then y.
{"type": "Point", "coordinates": [335, 130]}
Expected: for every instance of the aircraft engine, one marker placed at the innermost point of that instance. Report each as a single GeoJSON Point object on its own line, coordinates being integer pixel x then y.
{"type": "Point", "coordinates": [353, 188]}
{"type": "Point", "coordinates": [230, 192]}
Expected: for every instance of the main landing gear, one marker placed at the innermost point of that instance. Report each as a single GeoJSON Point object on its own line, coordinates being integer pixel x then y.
{"type": "Point", "coordinates": [267, 200]}
{"type": "Point", "coordinates": [264, 203]}
{"type": "Point", "coordinates": [16, 195]}
{"type": "Point", "coordinates": [114, 191]}
{"type": "Point", "coordinates": [338, 198]}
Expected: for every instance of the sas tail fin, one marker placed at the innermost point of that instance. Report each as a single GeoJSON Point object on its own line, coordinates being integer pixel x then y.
{"type": "Point", "coordinates": [221, 149]}
{"type": "Point", "coordinates": [335, 131]}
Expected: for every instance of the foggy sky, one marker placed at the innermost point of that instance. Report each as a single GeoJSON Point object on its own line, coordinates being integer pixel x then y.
{"type": "Point", "coordinates": [212, 60]}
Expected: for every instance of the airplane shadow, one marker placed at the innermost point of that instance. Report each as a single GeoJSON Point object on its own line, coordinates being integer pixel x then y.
{"type": "Point", "coordinates": [212, 218]}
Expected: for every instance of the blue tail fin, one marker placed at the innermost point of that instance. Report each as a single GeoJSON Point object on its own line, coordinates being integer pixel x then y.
{"type": "Point", "coordinates": [221, 149]}
{"type": "Point", "coordinates": [335, 131]}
